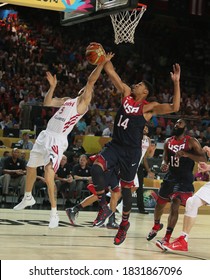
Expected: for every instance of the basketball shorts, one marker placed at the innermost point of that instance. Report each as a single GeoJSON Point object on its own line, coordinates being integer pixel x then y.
{"type": "Point", "coordinates": [112, 180]}
{"type": "Point", "coordinates": [48, 147]}
{"type": "Point", "coordinates": [204, 193]}
{"type": "Point", "coordinates": [126, 158]}
{"type": "Point", "coordinates": [170, 190]}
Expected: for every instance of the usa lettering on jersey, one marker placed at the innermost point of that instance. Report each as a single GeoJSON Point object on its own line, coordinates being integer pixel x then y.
{"type": "Point", "coordinates": [176, 148]}
{"type": "Point", "coordinates": [130, 109]}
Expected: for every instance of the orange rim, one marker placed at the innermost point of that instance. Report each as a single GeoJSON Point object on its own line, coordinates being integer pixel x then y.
{"type": "Point", "coordinates": [140, 6]}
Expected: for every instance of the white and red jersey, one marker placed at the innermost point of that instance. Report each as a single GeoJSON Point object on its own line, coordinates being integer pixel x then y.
{"type": "Point", "coordinates": [64, 120]}
{"type": "Point", "coordinates": [53, 142]}
{"type": "Point", "coordinates": [144, 146]}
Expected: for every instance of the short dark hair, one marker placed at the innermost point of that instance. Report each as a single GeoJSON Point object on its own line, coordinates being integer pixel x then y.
{"type": "Point", "coordinates": [149, 86]}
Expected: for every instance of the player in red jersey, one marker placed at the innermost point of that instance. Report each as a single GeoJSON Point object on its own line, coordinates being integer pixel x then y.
{"type": "Point", "coordinates": [180, 153]}
{"type": "Point", "coordinates": [200, 198]}
{"type": "Point", "coordinates": [124, 148]}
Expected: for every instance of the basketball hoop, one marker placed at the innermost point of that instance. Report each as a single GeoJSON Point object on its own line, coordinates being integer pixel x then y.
{"type": "Point", "coordinates": [125, 23]}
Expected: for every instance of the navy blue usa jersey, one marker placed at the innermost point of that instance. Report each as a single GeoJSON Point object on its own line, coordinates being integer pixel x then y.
{"type": "Point", "coordinates": [180, 169]}
{"type": "Point", "coordinates": [129, 123]}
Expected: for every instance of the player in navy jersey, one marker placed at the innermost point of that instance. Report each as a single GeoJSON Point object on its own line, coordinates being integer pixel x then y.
{"type": "Point", "coordinates": [52, 142]}
{"type": "Point", "coordinates": [124, 148]}
{"type": "Point", "coordinates": [200, 198]}
{"type": "Point", "coordinates": [180, 154]}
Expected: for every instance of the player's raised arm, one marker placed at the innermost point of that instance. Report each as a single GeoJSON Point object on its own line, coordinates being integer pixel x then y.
{"type": "Point", "coordinates": [124, 89]}
{"type": "Point", "coordinates": [87, 91]}
{"type": "Point", "coordinates": [157, 108]}
{"type": "Point", "coordinates": [49, 100]}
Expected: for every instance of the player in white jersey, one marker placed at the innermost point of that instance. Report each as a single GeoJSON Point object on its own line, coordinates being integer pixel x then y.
{"type": "Point", "coordinates": [142, 169]}
{"type": "Point", "coordinates": [52, 142]}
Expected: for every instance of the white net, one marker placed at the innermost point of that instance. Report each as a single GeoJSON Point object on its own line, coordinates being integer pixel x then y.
{"type": "Point", "coordinates": [125, 23]}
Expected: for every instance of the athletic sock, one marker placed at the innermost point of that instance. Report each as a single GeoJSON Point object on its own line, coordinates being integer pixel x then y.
{"type": "Point", "coordinates": [54, 211]}
{"type": "Point", "coordinates": [169, 232]}
{"type": "Point", "coordinates": [125, 218]}
{"type": "Point", "coordinates": [186, 236]}
{"type": "Point", "coordinates": [28, 195]}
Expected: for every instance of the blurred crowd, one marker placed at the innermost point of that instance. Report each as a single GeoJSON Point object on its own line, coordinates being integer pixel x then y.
{"type": "Point", "coordinates": [33, 43]}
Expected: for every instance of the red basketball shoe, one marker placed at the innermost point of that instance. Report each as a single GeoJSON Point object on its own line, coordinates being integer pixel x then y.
{"type": "Point", "coordinates": [179, 244]}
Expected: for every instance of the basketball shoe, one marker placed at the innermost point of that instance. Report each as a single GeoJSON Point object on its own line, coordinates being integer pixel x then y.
{"type": "Point", "coordinates": [161, 243]}
{"type": "Point", "coordinates": [154, 231]}
{"type": "Point", "coordinates": [121, 234]}
{"type": "Point", "coordinates": [179, 244]}
{"type": "Point", "coordinates": [112, 222]}
{"type": "Point", "coordinates": [26, 201]}
{"type": "Point", "coordinates": [104, 213]}
{"type": "Point", "coordinates": [54, 221]}
{"type": "Point", "coordinates": [72, 214]}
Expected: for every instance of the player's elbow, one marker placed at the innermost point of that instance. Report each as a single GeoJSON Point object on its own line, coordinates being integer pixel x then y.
{"type": "Point", "coordinates": [175, 108]}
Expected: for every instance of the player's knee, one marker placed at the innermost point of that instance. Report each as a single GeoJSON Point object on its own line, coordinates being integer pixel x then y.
{"type": "Point", "coordinates": [97, 174]}
{"type": "Point", "coordinates": [192, 205]}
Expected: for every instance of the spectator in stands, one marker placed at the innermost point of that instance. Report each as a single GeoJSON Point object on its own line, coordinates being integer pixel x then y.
{"type": "Point", "coordinates": [74, 161]}
{"type": "Point", "coordinates": [82, 175]}
{"type": "Point", "coordinates": [2, 159]}
{"type": "Point", "coordinates": [207, 133]}
{"type": "Point", "coordinates": [6, 123]}
{"type": "Point", "coordinates": [25, 142]}
{"type": "Point", "coordinates": [194, 132]}
{"type": "Point", "coordinates": [93, 128]}
{"type": "Point", "coordinates": [23, 156]}
{"type": "Point", "coordinates": [103, 123]}
{"type": "Point", "coordinates": [109, 130]}
{"type": "Point", "coordinates": [40, 185]}
{"type": "Point", "coordinates": [13, 173]}
{"type": "Point", "coordinates": [76, 148]}
{"type": "Point", "coordinates": [159, 135]}
{"type": "Point", "coordinates": [2, 144]}
{"type": "Point", "coordinates": [64, 180]}
{"type": "Point", "coordinates": [81, 126]}
{"type": "Point", "coordinates": [109, 117]}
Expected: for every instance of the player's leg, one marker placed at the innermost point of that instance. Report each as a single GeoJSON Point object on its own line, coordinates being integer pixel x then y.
{"type": "Point", "coordinates": [98, 194]}
{"type": "Point", "coordinates": [192, 205]}
{"type": "Point", "coordinates": [158, 212]}
{"type": "Point", "coordinates": [52, 192]}
{"type": "Point", "coordinates": [172, 220]}
{"type": "Point", "coordinates": [127, 204]}
{"type": "Point", "coordinates": [115, 197]}
{"type": "Point", "coordinates": [128, 164]}
{"type": "Point", "coordinates": [35, 160]}
{"type": "Point", "coordinates": [163, 197]}
{"type": "Point", "coordinates": [139, 191]}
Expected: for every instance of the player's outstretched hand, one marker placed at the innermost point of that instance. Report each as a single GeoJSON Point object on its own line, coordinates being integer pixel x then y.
{"type": "Point", "coordinates": [109, 56]}
{"type": "Point", "coordinates": [51, 79]}
{"type": "Point", "coordinates": [175, 75]}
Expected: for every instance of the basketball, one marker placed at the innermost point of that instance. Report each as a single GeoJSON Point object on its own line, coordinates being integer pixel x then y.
{"type": "Point", "coordinates": [95, 53]}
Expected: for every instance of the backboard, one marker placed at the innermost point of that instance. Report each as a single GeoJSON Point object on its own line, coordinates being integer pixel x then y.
{"type": "Point", "coordinates": [97, 9]}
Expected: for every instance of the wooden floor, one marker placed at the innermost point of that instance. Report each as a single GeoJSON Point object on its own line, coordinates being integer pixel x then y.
{"type": "Point", "coordinates": [24, 235]}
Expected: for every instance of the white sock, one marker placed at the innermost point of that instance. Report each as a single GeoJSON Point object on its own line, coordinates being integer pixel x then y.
{"type": "Point", "coordinates": [54, 211]}
{"type": "Point", "coordinates": [186, 236]}
{"type": "Point", "coordinates": [28, 195]}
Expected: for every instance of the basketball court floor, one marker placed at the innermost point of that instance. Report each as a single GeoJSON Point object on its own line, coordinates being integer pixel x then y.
{"type": "Point", "coordinates": [25, 236]}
